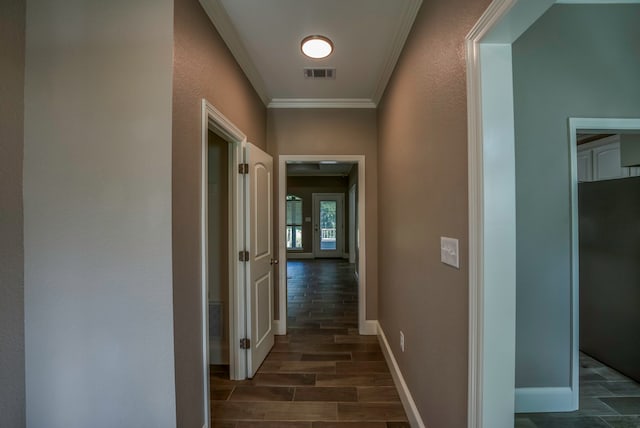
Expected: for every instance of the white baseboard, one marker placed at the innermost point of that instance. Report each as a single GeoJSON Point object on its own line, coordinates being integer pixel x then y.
{"type": "Point", "coordinates": [279, 328]}
{"type": "Point", "coordinates": [415, 420]}
{"type": "Point", "coordinates": [299, 256]}
{"type": "Point", "coordinates": [368, 328]}
{"type": "Point", "coordinates": [535, 400]}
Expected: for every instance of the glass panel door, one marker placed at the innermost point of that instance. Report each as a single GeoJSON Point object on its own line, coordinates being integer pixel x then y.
{"type": "Point", "coordinates": [328, 214]}
{"type": "Point", "coordinates": [328, 224]}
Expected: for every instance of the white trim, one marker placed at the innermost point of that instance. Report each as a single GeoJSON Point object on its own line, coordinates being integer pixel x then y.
{"type": "Point", "coordinates": [410, 408]}
{"type": "Point", "coordinates": [534, 400]}
{"type": "Point", "coordinates": [352, 221]}
{"type": "Point", "coordinates": [220, 19]}
{"type": "Point", "coordinates": [370, 327]}
{"type": "Point", "coordinates": [406, 24]}
{"type": "Point", "coordinates": [322, 103]}
{"type": "Point", "coordinates": [282, 253]}
{"type": "Point", "coordinates": [212, 119]}
{"type": "Point", "coordinates": [294, 255]}
{"type": "Point", "coordinates": [204, 257]}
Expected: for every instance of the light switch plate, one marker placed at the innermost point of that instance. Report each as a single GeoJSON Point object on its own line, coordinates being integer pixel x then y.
{"type": "Point", "coordinates": [449, 253]}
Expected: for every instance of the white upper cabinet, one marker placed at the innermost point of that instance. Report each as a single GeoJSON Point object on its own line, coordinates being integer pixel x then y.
{"type": "Point", "coordinates": [607, 163]}
{"type": "Point", "coordinates": [585, 165]}
{"type": "Point", "coordinates": [600, 160]}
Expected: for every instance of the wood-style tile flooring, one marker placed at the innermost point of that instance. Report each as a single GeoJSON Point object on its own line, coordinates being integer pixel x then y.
{"type": "Point", "coordinates": [322, 374]}
{"type": "Point", "coordinates": [608, 399]}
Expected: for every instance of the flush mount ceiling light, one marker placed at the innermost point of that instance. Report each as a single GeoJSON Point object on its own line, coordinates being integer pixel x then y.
{"type": "Point", "coordinates": [316, 47]}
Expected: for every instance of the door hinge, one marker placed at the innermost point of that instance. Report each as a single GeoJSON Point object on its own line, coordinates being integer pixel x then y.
{"type": "Point", "coordinates": [244, 256]}
{"type": "Point", "coordinates": [243, 168]}
{"type": "Point", "coordinates": [245, 344]}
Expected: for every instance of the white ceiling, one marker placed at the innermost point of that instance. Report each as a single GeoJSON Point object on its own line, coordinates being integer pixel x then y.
{"type": "Point", "coordinates": [264, 36]}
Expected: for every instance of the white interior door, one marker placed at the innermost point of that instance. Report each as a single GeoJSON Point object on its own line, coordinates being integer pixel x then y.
{"type": "Point", "coordinates": [328, 225]}
{"type": "Point", "coordinates": [259, 294]}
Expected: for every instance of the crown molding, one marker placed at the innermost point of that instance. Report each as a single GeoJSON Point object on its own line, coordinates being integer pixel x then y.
{"type": "Point", "coordinates": [406, 24]}
{"type": "Point", "coordinates": [321, 103]}
{"type": "Point", "coordinates": [220, 19]}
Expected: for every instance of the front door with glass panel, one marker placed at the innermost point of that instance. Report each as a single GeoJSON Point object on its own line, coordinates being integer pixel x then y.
{"type": "Point", "coordinates": [328, 224]}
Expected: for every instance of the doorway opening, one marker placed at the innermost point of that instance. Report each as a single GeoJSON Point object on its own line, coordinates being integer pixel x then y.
{"type": "Point", "coordinates": [218, 251]}
{"type": "Point", "coordinates": [492, 217]}
{"type": "Point", "coordinates": [605, 198]}
{"type": "Point", "coordinates": [236, 254]}
{"type": "Point", "coordinates": [605, 189]}
{"type": "Point", "coordinates": [316, 222]}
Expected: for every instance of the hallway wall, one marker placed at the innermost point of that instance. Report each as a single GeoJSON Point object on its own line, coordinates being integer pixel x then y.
{"type": "Point", "coordinates": [333, 132]}
{"type": "Point", "coordinates": [203, 67]}
{"type": "Point", "coordinates": [422, 152]}
{"type": "Point", "coordinates": [576, 61]}
{"type": "Point", "coordinates": [97, 203]}
{"type": "Point", "coordinates": [12, 46]}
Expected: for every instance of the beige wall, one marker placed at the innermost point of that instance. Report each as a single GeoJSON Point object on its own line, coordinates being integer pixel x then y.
{"type": "Point", "coordinates": [12, 46]}
{"type": "Point", "coordinates": [97, 214]}
{"type": "Point", "coordinates": [203, 68]}
{"type": "Point", "coordinates": [422, 156]}
{"type": "Point", "coordinates": [332, 132]}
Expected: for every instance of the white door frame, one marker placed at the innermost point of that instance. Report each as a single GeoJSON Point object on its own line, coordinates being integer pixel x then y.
{"type": "Point", "coordinates": [352, 223]}
{"type": "Point", "coordinates": [491, 175]}
{"type": "Point", "coordinates": [368, 327]}
{"type": "Point", "coordinates": [315, 198]}
{"type": "Point", "coordinates": [215, 121]}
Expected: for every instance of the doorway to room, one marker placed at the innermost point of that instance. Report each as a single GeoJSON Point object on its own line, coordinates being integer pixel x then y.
{"type": "Point", "coordinates": [236, 255]}
{"type": "Point", "coordinates": [218, 251]}
{"type": "Point", "coordinates": [316, 224]}
{"type": "Point", "coordinates": [605, 197]}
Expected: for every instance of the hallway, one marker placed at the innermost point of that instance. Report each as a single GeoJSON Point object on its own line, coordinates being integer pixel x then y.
{"type": "Point", "coordinates": [322, 374]}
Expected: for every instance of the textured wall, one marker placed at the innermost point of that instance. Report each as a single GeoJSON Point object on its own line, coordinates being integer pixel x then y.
{"type": "Point", "coordinates": [422, 155]}
{"type": "Point", "coordinates": [575, 61]}
{"type": "Point", "coordinates": [333, 132]}
{"type": "Point", "coordinates": [12, 46]}
{"type": "Point", "coordinates": [97, 214]}
{"type": "Point", "coordinates": [203, 68]}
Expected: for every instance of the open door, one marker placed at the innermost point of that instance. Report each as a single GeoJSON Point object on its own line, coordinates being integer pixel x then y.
{"type": "Point", "coordinates": [259, 294]}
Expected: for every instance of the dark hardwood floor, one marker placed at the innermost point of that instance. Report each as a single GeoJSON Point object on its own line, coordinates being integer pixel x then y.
{"type": "Point", "coordinates": [322, 374]}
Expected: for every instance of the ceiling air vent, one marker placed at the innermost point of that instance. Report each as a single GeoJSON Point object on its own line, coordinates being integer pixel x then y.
{"type": "Point", "coordinates": [320, 73]}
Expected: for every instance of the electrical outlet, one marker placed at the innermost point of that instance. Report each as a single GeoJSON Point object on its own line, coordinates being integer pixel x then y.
{"type": "Point", "coordinates": [401, 341]}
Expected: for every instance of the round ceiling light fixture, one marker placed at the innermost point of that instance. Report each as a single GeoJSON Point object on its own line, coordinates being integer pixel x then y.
{"type": "Point", "coordinates": [316, 47]}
